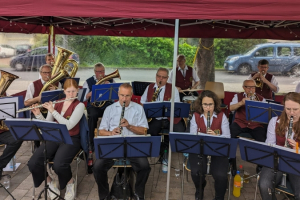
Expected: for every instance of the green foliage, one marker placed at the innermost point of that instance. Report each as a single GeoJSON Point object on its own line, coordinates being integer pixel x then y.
{"type": "Point", "coordinates": [227, 47]}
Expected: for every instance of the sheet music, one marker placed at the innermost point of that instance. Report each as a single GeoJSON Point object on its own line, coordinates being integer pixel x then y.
{"type": "Point", "coordinates": [8, 108]}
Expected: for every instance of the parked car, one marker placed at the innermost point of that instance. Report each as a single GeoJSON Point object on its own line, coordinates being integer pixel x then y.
{"type": "Point", "coordinates": [34, 59]}
{"type": "Point", "coordinates": [6, 51]}
{"type": "Point", "coordinates": [23, 48]}
{"type": "Point", "coordinates": [282, 57]}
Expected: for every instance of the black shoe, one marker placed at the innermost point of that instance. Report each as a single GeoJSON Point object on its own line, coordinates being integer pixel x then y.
{"type": "Point", "coordinates": [136, 197]}
{"type": "Point", "coordinates": [197, 194]}
{"type": "Point", "coordinates": [90, 169]}
{"type": "Point", "coordinates": [258, 169]}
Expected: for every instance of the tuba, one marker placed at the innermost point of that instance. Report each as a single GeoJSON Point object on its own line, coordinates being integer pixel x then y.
{"type": "Point", "coordinates": [61, 67]}
{"type": "Point", "coordinates": [114, 74]}
{"type": "Point", "coordinates": [5, 81]}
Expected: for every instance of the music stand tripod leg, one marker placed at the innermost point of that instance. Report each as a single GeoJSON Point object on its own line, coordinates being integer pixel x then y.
{"type": "Point", "coordinates": [2, 186]}
{"type": "Point", "coordinates": [46, 187]}
{"type": "Point", "coordinates": [200, 156]}
{"type": "Point", "coordinates": [125, 173]}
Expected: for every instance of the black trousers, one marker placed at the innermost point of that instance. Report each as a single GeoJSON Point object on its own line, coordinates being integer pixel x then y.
{"type": "Point", "coordinates": [93, 114]}
{"type": "Point", "coordinates": [266, 183]}
{"type": "Point", "coordinates": [61, 154]}
{"type": "Point", "coordinates": [139, 165]}
{"type": "Point", "coordinates": [218, 168]}
{"type": "Point", "coordinates": [12, 146]}
{"type": "Point", "coordinates": [259, 133]}
{"type": "Point", "coordinates": [155, 126]}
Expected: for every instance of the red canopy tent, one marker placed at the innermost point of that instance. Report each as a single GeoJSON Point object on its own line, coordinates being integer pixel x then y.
{"type": "Point", "coordinates": [147, 18]}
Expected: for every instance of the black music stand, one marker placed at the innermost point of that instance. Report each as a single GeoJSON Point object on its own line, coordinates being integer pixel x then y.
{"type": "Point", "coordinates": [272, 156]}
{"type": "Point", "coordinates": [26, 130]}
{"type": "Point", "coordinates": [203, 144]}
{"type": "Point", "coordinates": [163, 109]}
{"type": "Point", "coordinates": [109, 147]}
{"type": "Point", "coordinates": [262, 112]}
{"type": "Point", "coordinates": [139, 87]}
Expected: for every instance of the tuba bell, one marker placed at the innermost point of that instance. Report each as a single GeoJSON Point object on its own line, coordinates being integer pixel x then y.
{"type": "Point", "coordinates": [5, 81]}
{"type": "Point", "coordinates": [61, 67]}
{"type": "Point", "coordinates": [114, 74]}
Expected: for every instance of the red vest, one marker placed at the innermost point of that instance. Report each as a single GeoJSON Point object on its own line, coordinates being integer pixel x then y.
{"type": "Point", "coordinates": [240, 115]}
{"type": "Point", "coordinates": [58, 107]}
{"type": "Point", "coordinates": [167, 97]}
{"type": "Point", "coordinates": [280, 140]}
{"type": "Point", "coordinates": [265, 91]}
{"type": "Point", "coordinates": [38, 85]}
{"type": "Point", "coordinates": [216, 124]}
{"type": "Point", "coordinates": [184, 82]}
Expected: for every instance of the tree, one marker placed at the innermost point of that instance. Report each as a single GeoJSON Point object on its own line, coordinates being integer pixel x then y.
{"type": "Point", "coordinates": [206, 61]}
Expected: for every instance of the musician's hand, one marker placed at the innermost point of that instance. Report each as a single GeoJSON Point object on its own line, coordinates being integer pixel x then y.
{"type": "Point", "coordinates": [211, 132]}
{"type": "Point", "coordinates": [116, 131]}
{"type": "Point", "coordinates": [262, 78]}
{"type": "Point", "coordinates": [88, 95]}
{"type": "Point", "coordinates": [52, 87]}
{"type": "Point", "coordinates": [35, 111]}
{"type": "Point", "coordinates": [124, 123]}
{"type": "Point", "coordinates": [257, 75]}
{"type": "Point", "coordinates": [179, 89]}
{"type": "Point", "coordinates": [244, 100]}
{"type": "Point", "coordinates": [49, 106]}
{"type": "Point", "coordinates": [106, 82]}
{"type": "Point", "coordinates": [292, 143]}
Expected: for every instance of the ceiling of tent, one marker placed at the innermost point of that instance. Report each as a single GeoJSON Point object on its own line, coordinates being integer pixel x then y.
{"type": "Point", "coordinates": [153, 18]}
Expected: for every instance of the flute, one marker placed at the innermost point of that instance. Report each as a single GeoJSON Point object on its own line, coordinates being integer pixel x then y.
{"type": "Point", "coordinates": [41, 105]}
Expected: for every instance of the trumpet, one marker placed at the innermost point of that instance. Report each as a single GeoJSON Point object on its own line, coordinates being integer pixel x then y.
{"type": "Point", "coordinates": [258, 81]}
{"type": "Point", "coordinates": [41, 105]}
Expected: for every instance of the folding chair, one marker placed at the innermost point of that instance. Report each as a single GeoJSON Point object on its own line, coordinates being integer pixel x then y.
{"type": "Point", "coordinates": [218, 89]}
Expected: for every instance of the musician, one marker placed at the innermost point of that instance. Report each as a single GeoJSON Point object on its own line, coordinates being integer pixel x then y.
{"type": "Point", "coordinates": [68, 113]}
{"type": "Point", "coordinates": [277, 134]}
{"type": "Point", "coordinates": [50, 59]}
{"type": "Point", "coordinates": [240, 124]}
{"type": "Point", "coordinates": [185, 75]}
{"type": "Point", "coordinates": [269, 82]}
{"type": "Point", "coordinates": [164, 94]}
{"type": "Point", "coordinates": [94, 112]}
{"type": "Point", "coordinates": [134, 122]}
{"type": "Point", "coordinates": [209, 102]}
{"type": "Point", "coordinates": [34, 88]}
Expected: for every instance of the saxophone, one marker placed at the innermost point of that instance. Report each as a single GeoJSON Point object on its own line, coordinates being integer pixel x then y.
{"type": "Point", "coordinates": [154, 97]}
{"type": "Point", "coordinates": [122, 116]}
{"type": "Point", "coordinates": [253, 97]}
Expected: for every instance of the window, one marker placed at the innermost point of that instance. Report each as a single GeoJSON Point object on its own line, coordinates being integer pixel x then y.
{"type": "Point", "coordinates": [283, 51]}
{"type": "Point", "coordinates": [296, 51]}
{"type": "Point", "coordinates": [264, 52]}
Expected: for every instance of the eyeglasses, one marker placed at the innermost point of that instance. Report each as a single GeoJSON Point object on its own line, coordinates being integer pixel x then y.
{"type": "Point", "coordinates": [100, 71]}
{"type": "Point", "coordinates": [250, 87]}
{"type": "Point", "coordinates": [205, 105]}
{"type": "Point", "coordinates": [163, 77]}
{"type": "Point", "coordinates": [46, 72]}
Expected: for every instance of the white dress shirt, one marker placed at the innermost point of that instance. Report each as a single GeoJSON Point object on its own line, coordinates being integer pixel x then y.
{"type": "Point", "coordinates": [271, 135]}
{"type": "Point", "coordinates": [183, 72]}
{"type": "Point", "coordinates": [273, 81]}
{"type": "Point", "coordinates": [30, 90]}
{"type": "Point", "coordinates": [161, 95]}
{"type": "Point", "coordinates": [235, 99]}
{"type": "Point", "coordinates": [134, 114]}
{"type": "Point", "coordinates": [71, 122]}
{"type": "Point", "coordinates": [86, 85]}
{"type": "Point", "coordinates": [224, 126]}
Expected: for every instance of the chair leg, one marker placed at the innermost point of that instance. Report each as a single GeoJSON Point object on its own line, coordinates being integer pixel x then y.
{"type": "Point", "coordinates": [85, 164]}
{"type": "Point", "coordinates": [76, 176]}
{"type": "Point", "coordinates": [229, 184]}
{"type": "Point", "coordinates": [33, 193]}
{"type": "Point", "coordinates": [256, 187]}
{"type": "Point", "coordinates": [182, 181]}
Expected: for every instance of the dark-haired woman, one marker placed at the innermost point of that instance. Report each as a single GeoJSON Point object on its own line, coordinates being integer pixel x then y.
{"type": "Point", "coordinates": [209, 102]}
{"type": "Point", "coordinates": [277, 134]}
{"type": "Point", "coordinates": [68, 113]}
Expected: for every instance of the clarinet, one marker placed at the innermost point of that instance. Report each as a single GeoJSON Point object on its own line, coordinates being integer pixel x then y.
{"type": "Point", "coordinates": [287, 144]}
{"type": "Point", "coordinates": [207, 128]}
{"type": "Point", "coordinates": [289, 135]}
{"type": "Point", "coordinates": [122, 116]}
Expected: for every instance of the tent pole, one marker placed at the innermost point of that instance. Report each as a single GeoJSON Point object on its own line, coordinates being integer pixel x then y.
{"type": "Point", "coordinates": [172, 100]}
